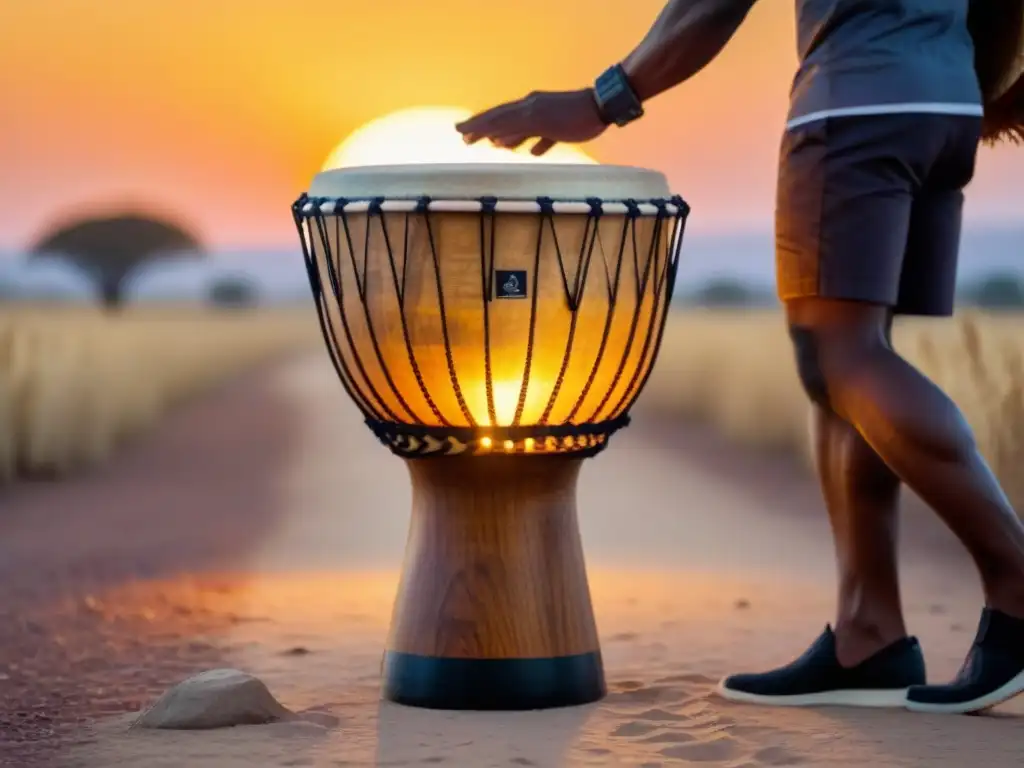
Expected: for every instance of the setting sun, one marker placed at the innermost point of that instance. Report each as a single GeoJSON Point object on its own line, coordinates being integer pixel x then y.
{"type": "Point", "coordinates": [428, 135]}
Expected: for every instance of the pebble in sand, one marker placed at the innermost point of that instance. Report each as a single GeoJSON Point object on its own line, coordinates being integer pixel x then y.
{"type": "Point", "coordinates": [217, 698]}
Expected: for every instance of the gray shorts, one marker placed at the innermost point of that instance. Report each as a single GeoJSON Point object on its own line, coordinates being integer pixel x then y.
{"type": "Point", "coordinates": [869, 209]}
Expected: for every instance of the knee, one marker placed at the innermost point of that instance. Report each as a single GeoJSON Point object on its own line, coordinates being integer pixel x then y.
{"type": "Point", "coordinates": [826, 361]}
{"type": "Point", "coordinates": [807, 347]}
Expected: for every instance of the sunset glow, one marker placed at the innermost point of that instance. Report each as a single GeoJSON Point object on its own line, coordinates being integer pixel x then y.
{"type": "Point", "coordinates": [428, 135]}
{"type": "Point", "coordinates": [199, 111]}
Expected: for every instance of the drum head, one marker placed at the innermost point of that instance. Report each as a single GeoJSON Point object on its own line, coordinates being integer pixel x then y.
{"type": "Point", "coordinates": [505, 181]}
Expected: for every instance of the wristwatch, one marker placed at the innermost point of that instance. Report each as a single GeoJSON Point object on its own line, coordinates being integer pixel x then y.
{"type": "Point", "coordinates": [617, 102]}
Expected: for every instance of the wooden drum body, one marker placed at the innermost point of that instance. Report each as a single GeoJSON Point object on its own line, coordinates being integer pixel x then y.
{"type": "Point", "coordinates": [493, 323]}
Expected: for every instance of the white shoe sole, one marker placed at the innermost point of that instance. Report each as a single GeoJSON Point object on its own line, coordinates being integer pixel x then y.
{"type": "Point", "coordinates": [1002, 694]}
{"type": "Point", "coordinates": [893, 697]}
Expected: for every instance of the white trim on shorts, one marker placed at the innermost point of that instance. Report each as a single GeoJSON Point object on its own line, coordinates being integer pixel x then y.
{"type": "Point", "coordinates": [906, 108]}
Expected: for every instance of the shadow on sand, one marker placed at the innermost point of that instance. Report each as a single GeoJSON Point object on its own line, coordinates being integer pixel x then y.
{"type": "Point", "coordinates": [406, 735]}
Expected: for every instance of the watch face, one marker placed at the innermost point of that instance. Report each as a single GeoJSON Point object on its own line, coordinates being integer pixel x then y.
{"type": "Point", "coordinates": [616, 100]}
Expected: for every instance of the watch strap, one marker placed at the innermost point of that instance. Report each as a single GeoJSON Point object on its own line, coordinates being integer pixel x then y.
{"type": "Point", "coordinates": [617, 102]}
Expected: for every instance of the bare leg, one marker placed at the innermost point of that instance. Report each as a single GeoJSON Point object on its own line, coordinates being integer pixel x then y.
{"type": "Point", "coordinates": [920, 434]}
{"type": "Point", "coordinates": [862, 496]}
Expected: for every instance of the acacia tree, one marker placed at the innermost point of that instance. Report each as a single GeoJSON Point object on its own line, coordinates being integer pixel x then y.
{"type": "Point", "coordinates": [233, 292]}
{"type": "Point", "coordinates": [724, 292]}
{"type": "Point", "coordinates": [1002, 290]}
{"type": "Point", "coordinates": [109, 248]}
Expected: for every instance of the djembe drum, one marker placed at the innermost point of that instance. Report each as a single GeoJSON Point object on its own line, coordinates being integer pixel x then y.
{"type": "Point", "coordinates": [494, 324]}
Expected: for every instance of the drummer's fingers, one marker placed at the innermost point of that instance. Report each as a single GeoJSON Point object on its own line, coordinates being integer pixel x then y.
{"type": "Point", "coordinates": [499, 135]}
{"type": "Point", "coordinates": [480, 122]}
{"type": "Point", "coordinates": [512, 141]}
{"type": "Point", "coordinates": [503, 119]}
{"type": "Point", "coordinates": [542, 146]}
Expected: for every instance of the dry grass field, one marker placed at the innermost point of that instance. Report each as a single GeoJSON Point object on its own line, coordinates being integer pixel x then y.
{"type": "Point", "coordinates": [735, 371]}
{"type": "Point", "coordinates": [75, 382]}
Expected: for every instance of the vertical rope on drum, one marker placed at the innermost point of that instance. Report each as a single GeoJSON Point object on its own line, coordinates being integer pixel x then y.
{"type": "Point", "coordinates": [487, 211]}
{"type": "Point", "coordinates": [373, 209]}
{"type": "Point", "coordinates": [373, 403]}
{"type": "Point", "coordinates": [674, 250]}
{"type": "Point", "coordinates": [627, 395]}
{"type": "Point", "coordinates": [400, 295]}
{"type": "Point", "coordinates": [613, 295]}
{"type": "Point", "coordinates": [444, 323]}
{"type": "Point", "coordinates": [547, 209]}
{"type": "Point", "coordinates": [336, 286]}
{"type": "Point", "coordinates": [316, 286]}
{"type": "Point", "coordinates": [574, 297]}
{"type": "Point", "coordinates": [633, 214]}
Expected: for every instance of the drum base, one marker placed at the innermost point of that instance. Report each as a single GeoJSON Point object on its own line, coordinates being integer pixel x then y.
{"type": "Point", "coordinates": [493, 610]}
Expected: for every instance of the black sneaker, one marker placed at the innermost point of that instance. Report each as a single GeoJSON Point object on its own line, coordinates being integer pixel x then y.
{"type": "Point", "coordinates": [817, 678]}
{"type": "Point", "coordinates": [992, 673]}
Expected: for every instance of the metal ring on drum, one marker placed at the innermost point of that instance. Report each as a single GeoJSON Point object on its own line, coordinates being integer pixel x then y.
{"type": "Point", "coordinates": [493, 324]}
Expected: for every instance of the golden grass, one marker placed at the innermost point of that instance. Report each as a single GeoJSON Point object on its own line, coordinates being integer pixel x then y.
{"type": "Point", "coordinates": [735, 370]}
{"type": "Point", "coordinates": [74, 382]}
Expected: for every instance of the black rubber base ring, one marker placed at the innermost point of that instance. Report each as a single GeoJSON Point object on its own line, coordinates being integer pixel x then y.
{"type": "Point", "coordinates": [493, 684]}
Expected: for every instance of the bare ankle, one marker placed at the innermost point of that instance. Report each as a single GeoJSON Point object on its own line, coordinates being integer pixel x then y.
{"type": "Point", "coordinates": [1008, 598]}
{"type": "Point", "coordinates": [857, 638]}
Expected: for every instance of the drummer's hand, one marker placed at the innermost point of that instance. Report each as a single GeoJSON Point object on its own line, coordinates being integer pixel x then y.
{"type": "Point", "coordinates": [565, 116]}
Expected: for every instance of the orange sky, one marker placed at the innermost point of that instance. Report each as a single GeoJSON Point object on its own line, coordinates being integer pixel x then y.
{"type": "Point", "coordinates": [218, 112]}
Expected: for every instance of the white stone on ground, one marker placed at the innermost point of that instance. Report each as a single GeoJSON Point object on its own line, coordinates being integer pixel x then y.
{"type": "Point", "coordinates": [217, 698]}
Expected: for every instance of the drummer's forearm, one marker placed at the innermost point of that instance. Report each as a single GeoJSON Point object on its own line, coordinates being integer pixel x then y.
{"type": "Point", "coordinates": [685, 38]}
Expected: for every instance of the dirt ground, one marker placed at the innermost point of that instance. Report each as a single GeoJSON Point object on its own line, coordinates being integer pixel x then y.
{"type": "Point", "coordinates": [263, 528]}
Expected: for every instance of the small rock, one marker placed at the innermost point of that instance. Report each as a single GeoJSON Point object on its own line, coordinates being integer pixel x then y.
{"type": "Point", "coordinates": [91, 604]}
{"type": "Point", "coordinates": [218, 698]}
{"type": "Point", "coordinates": [742, 604]}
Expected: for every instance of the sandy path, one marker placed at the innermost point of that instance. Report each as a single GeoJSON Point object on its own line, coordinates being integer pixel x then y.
{"type": "Point", "coordinates": [721, 564]}
{"type": "Point", "coordinates": [179, 502]}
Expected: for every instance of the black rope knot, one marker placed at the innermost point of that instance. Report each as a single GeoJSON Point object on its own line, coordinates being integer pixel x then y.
{"type": "Point", "coordinates": [488, 204]}
{"type": "Point", "coordinates": [422, 204]}
{"type": "Point", "coordinates": [632, 208]}
{"type": "Point", "coordinates": [596, 206]}
{"type": "Point", "coordinates": [682, 205]}
{"type": "Point", "coordinates": [547, 205]}
{"type": "Point", "coordinates": [374, 209]}
{"type": "Point", "coordinates": [340, 203]}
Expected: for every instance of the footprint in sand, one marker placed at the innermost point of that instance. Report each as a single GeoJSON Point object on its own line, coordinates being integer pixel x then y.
{"type": "Point", "coordinates": [710, 751]}
{"type": "Point", "coordinates": [665, 736]}
{"type": "Point", "coordinates": [776, 756]}
{"type": "Point", "coordinates": [660, 716]}
{"type": "Point", "coordinates": [752, 732]}
{"type": "Point", "coordinates": [625, 685]}
{"type": "Point", "coordinates": [633, 728]}
{"type": "Point", "coordinates": [691, 678]}
{"type": "Point", "coordinates": [623, 637]}
{"type": "Point", "coordinates": [648, 694]}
